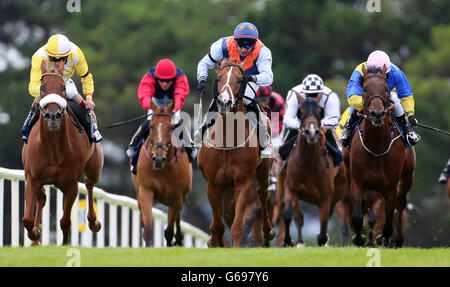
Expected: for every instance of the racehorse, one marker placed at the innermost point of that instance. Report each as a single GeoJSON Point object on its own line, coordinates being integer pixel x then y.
{"type": "Point", "coordinates": [229, 169]}
{"type": "Point", "coordinates": [164, 174]}
{"type": "Point", "coordinates": [58, 154]}
{"type": "Point", "coordinates": [378, 161]}
{"type": "Point", "coordinates": [310, 173]}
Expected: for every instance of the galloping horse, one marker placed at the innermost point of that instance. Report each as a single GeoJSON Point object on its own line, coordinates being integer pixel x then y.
{"type": "Point", "coordinates": [164, 174]}
{"type": "Point", "coordinates": [230, 169]}
{"type": "Point", "coordinates": [310, 174]}
{"type": "Point", "coordinates": [58, 154]}
{"type": "Point", "coordinates": [378, 161]}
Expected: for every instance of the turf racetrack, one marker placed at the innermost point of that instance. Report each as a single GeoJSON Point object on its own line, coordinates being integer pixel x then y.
{"type": "Point", "coordinates": [222, 257]}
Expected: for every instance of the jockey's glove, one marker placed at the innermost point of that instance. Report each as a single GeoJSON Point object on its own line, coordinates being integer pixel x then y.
{"type": "Point", "coordinates": [412, 120]}
{"type": "Point", "coordinates": [201, 88]}
{"type": "Point", "coordinates": [250, 78]}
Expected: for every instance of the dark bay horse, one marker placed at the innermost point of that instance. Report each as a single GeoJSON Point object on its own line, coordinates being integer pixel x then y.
{"type": "Point", "coordinates": [378, 160]}
{"type": "Point", "coordinates": [310, 173]}
{"type": "Point", "coordinates": [58, 154]}
{"type": "Point", "coordinates": [230, 168]}
{"type": "Point", "coordinates": [164, 174]}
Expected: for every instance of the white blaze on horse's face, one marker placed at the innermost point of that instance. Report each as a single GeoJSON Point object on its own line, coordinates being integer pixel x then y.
{"type": "Point", "coordinates": [226, 96]}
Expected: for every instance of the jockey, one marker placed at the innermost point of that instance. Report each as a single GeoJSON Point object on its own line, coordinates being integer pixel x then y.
{"type": "Point", "coordinates": [59, 48]}
{"type": "Point", "coordinates": [244, 46]}
{"type": "Point", "coordinates": [312, 86]}
{"type": "Point", "coordinates": [445, 173]}
{"type": "Point", "coordinates": [272, 102]}
{"type": "Point", "coordinates": [165, 79]}
{"type": "Point", "coordinates": [402, 97]}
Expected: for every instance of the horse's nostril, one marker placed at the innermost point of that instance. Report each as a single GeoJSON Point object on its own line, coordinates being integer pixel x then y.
{"type": "Point", "coordinates": [47, 116]}
{"type": "Point", "coordinates": [58, 116]}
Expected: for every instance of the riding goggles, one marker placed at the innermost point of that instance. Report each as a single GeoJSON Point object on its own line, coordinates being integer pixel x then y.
{"type": "Point", "coordinates": [54, 59]}
{"type": "Point", "coordinates": [245, 43]}
{"type": "Point", "coordinates": [165, 80]}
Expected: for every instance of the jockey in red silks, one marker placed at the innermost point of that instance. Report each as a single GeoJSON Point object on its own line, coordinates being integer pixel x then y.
{"type": "Point", "coordinates": [272, 102]}
{"type": "Point", "coordinates": [163, 80]}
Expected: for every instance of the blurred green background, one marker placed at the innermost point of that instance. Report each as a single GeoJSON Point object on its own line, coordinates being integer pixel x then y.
{"type": "Point", "coordinates": [123, 39]}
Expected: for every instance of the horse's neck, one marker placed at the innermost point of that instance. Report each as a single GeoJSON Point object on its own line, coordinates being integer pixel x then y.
{"type": "Point", "coordinates": [309, 153]}
{"type": "Point", "coordinates": [236, 126]}
{"type": "Point", "coordinates": [57, 141]}
{"type": "Point", "coordinates": [376, 137]}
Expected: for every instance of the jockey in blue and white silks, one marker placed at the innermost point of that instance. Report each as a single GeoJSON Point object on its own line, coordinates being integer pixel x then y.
{"type": "Point", "coordinates": [400, 94]}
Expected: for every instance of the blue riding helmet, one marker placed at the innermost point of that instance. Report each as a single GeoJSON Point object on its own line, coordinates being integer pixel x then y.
{"type": "Point", "coordinates": [245, 30]}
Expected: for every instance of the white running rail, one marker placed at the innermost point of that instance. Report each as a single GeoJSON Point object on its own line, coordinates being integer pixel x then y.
{"type": "Point", "coordinates": [80, 234]}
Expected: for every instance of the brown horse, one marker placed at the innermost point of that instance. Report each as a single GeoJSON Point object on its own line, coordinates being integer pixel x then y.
{"type": "Point", "coordinates": [378, 160]}
{"type": "Point", "coordinates": [229, 169]}
{"type": "Point", "coordinates": [57, 154]}
{"type": "Point", "coordinates": [164, 174]}
{"type": "Point", "coordinates": [310, 174]}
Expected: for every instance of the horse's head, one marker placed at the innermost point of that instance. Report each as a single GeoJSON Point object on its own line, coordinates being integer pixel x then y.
{"type": "Point", "coordinates": [160, 130]}
{"type": "Point", "coordinates": [375, 94]}
{"type": "Point", "coordinates": [310, 114]}
{"type": "Point", "coordinates": [229, 85]}
{"type": "Point", "coordinates": [53, 95]}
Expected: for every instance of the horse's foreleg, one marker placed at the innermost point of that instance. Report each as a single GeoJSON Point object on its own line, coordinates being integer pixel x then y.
{"type": "Point", "coordinates": [299, 220]}
{"type": "Point", "coordinates": [241, 194]}
{"type": "Point", "coordinates": [171, 218]}
{"type": "Point", "coordinates": [94, 224]}
{"type": "Point", "coordinates": [40, 202]}
{"type": "Point", "coordinates": [28, 220]}
{"type": "Point", "coordinates": [287, 218]}
{"type": "Point", "coordinates": [341, 211]}
{"type": "Point", "coordinates": [179, 235]}
{"type": "Point", "coordinates": [390, 201]}
{"type": "Point", "coordinates": [324, 215]}
{"type": "Point", "coordinates": [357, 216]}
{"type": "Point", "coordinates": [145, 199]}
{"type": "Point", "coordinates": [217, 228]}
{"type": "Point", "coordinates": [70, 194]}
{"type": "Point", "coordinates": [263, 195]}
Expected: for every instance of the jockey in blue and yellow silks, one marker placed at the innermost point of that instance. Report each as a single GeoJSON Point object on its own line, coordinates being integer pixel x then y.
{"type": "Point", "coordinates": [244, 46]}
{"type": "Point", "coordinates": [400, 94]}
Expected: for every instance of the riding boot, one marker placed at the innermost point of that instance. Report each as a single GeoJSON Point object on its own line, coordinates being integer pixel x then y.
{"type": "Point", "coordinates": [285, 148]}
{"type": "Point", "coordinates": [95, 134]}
{"type": "Point", "coordinates": [209, 121]}
{"type": "Point", "coordinates": [333, 148]}
{"type": "Point", "coordinates": [189, 147]}
{"type": "Point", "coordinates": [445, 174]}
{"type": "Point", "coordinates": [31, 119]}
{"type": "Point", "coordinates": [348, 128]}
{"type": "Point", "coordinates": [141, 133]}
{"type": "Point", "coordinates": [409, 134]}
{"type": "Point", "coordinates": [265, 147]}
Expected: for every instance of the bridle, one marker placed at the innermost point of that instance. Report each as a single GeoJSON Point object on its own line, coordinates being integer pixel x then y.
{"type": "Point", "coordinates": [159, 145]}
{"type": "Point", "coordinates": [387, 108]}
{"type": "Point", "coordinates": [240, 95]}
{"type": "Point", "coordinates": [42, 109]}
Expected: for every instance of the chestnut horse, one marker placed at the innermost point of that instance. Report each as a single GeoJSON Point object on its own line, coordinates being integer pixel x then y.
{"type": "Point", "coordinates": [57, 154]}
{"type": "Point", "coordinates": [310, 173]}
{"type": "Point", "coordinates": [230, 169]}
{"type": "Point", "coordinates": [378, 160]}
{"type": "Point", "coordinates": [164, 174]}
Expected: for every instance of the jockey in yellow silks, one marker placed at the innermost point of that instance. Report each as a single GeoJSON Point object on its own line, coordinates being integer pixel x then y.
{"type": "Point", "coordinates": [59, 48]}
{"type": "Point", "coordinates": [400, 94]}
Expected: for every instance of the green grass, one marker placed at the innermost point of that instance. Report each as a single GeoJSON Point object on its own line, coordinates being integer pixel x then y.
{"type": "Point", "coordinates": [222, 257]}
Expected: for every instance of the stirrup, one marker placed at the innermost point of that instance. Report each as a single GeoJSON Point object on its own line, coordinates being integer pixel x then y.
{"type": "Point", "coordinates": [267, 152]}
{"type": "Point", "coordinates": [443, 178]}
{"type": "Point", "coordinates": [412, 138]}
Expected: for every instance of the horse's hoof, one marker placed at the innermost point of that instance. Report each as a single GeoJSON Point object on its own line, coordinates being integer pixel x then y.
{"type": "Point", "coordinates": [359, 240]}
{"type": "Point", "coordinates": [35, 243]}
{"type": "Point", "coordinates": [322, 239]}
{"type": "Point", "coordinates": [399, 243]}
{"type": "Point", "coordinates": [35, 234]}
{"type": "Point", "coordinates": [383, 240]}
{"type": "Point", "coordinates": [300, 245]}
{"type": "Point", "coordinates": [288, 243]}
{"type": "Point", "coordinates": [96, 226]}
{"type": "Point", "coordinates": [271, 235]}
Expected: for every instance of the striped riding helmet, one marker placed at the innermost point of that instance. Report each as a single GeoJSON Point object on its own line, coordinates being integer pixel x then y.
{"type": "Point", "coordinates": [58, 46]}
{"type": "Point", "coordinates": [378, 59]}
{"type": "Point", "coordinates": [246, 30]}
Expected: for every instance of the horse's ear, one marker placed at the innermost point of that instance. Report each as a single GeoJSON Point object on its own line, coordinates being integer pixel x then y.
{"type": "Point", "coordinates": [384, 70]}
{"type": "Point", "coordinates": [153, 105]}
{"type": "Point", "coordinates": [169, 108]}
{"type": "Point", "coordinates": [364, 70]}
{"type": "Point", "coordinates": [319, 97]}
{"type": "Point", "coordinates": [43, 67]}
{"type": "Point", "coordinates": [242, 65]}
{"type": "Point", "coordinates": [300, 99]}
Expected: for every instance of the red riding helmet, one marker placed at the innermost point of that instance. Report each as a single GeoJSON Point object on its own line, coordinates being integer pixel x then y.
{"type": "Point", "coordinates": [165, 69]}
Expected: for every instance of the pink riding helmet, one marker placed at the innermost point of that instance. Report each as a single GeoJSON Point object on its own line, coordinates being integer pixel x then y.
{"type": "Point", "coordinates": [378, 59]}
